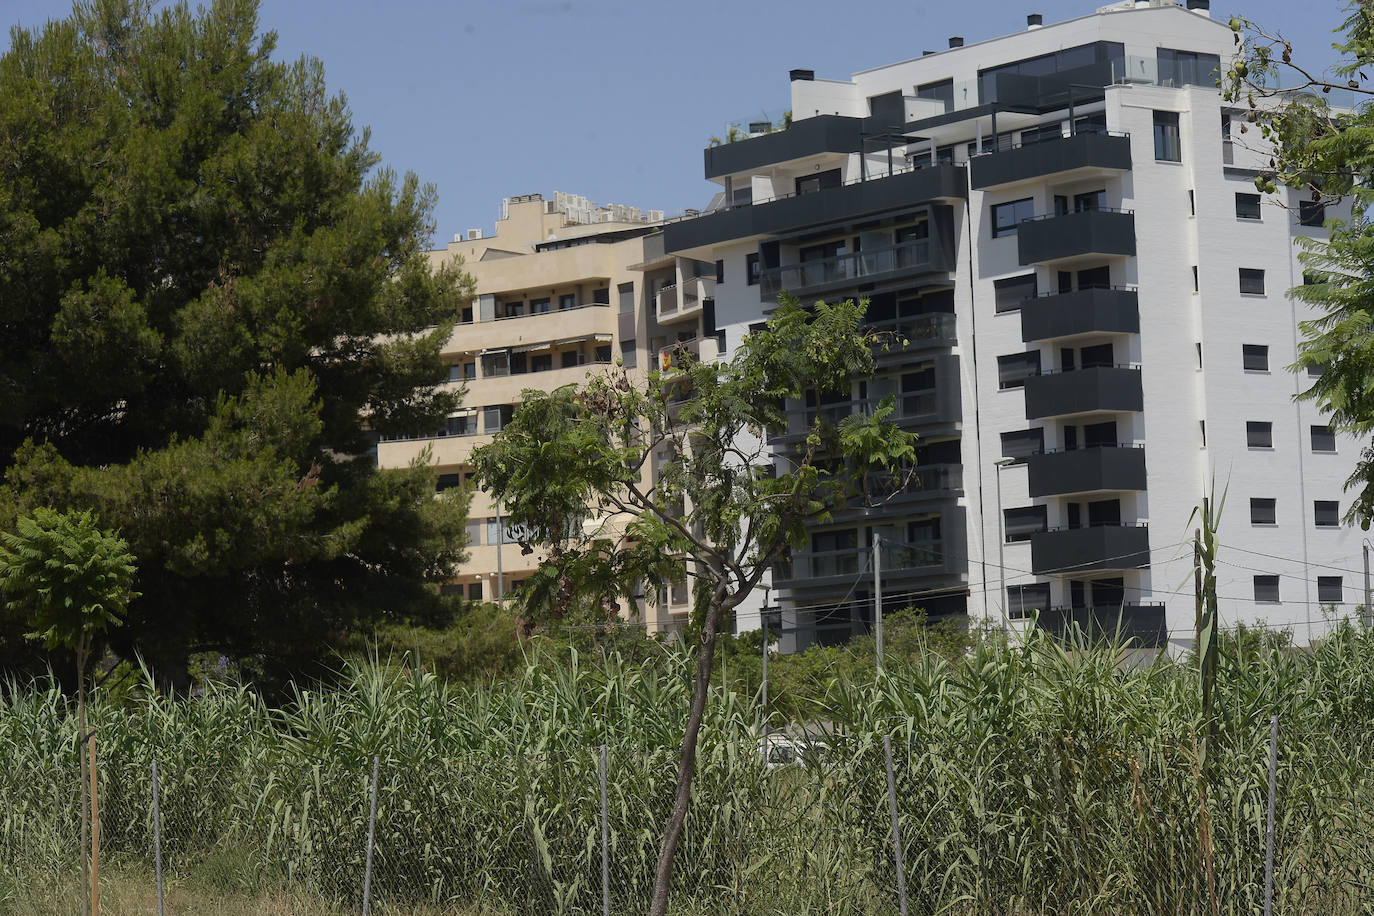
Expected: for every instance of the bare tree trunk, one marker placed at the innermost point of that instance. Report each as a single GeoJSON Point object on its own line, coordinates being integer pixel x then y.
{"type": "Point", "coordinates": [687, 763]}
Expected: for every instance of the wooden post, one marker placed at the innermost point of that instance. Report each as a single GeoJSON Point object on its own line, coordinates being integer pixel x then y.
{"type": "Point", "coordinates": [95, 833]}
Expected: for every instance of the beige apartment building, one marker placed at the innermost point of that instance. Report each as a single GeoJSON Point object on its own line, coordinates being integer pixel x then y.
{"type": "Point", "coordinates": [560, 293]}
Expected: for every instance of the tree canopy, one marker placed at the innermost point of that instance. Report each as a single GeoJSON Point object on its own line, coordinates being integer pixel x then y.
{"type": "Point", "coordinates": [631, 486]}
{"type": "Point", "coordinates": [212, 301]}
{"type": "Point", "coordinates": [1319, 132]}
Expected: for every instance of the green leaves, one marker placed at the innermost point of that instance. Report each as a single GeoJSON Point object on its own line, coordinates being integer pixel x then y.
{"type": "Point", "coordinates": [69, 577]}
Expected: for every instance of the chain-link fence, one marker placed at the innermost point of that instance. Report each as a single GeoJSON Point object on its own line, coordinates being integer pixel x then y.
{"type": "Point", "coordinates": [800, 825]}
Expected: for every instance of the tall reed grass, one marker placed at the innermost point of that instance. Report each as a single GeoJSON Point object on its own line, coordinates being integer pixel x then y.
{"type": "Point", "coordinates": [1036, 779]}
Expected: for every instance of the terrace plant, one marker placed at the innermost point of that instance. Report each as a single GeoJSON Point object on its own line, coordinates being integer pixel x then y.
{"type": "Point", "coordinates": [721, 509]}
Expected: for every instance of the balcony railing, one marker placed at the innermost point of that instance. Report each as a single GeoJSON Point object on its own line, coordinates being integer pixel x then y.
{"type": "Point", "coordinates": [552, 310]}
{"type": "Point", "coordinates": [1086, 470]}
{"type": "Point", "coordinates": [1144, 624]}
{"type": "Point", "coordinates": [1084, 149]}
{"type": "Point", "coordinates": [853, 267]}
{"type": "Point", "coordinates": [1091, 310]}
{"type": "Point", "coordinates": [1082, 550]}
{"type": "Point", "coordinates": [1055, 236]}
{"type": "Point", "coordinates": [916, 556]}
{"type": "Point", "coordinates": [1088, 390]}
{"type": "Point", "coordinates": [902, 334]}
{"type": "Point", "coordinates": [936, 479]}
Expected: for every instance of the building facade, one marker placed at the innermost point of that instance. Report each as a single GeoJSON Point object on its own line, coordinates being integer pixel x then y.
{"type": "Point", "coordinates": [557, 298]}
{"type": "Point", "coordinates": [1061, 230]}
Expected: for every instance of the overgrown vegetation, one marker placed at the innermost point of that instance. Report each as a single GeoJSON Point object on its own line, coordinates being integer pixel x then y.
{"type": "Point", "coordinates": [1033, 779]}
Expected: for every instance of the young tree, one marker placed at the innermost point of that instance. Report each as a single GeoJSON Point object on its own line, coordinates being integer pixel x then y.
{"type": "Point", "coordinates": [1326, 152]}
{"type": "Point", "coordinates": [71, 581]}
{"type": "Point", "coordinates": [632, 486]}
{"type": "Point", "coordinates": [211, 303]}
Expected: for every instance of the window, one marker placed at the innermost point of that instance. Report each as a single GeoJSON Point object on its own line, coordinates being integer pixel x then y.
{"type": "Point", "coordinates": [1006, 217]}
{"type": "Point", "coordinates": [1263, 511]}
{"type": "Point", "coordinates": [496, 416]}
{"type": "Point", "coordinates": [1316, 370]}
{"type": "Point", "coordinates": [1015, 368]}
{"type": "Point", "coordinates": [822, 181]}
{"type": "Point", "coordinates": [1326, 513]}
{"type": "Point", "coordinates": [474, 591]}
{"type": "Point", "coordinates": [1251, 281]}
{"type": "Point", "coordinates": [541, 363]}
{"type": "Point", "coordinates": [629, 356]}
{"type": "Point", "coordinates": [448, 482]}
{"type": "Point", "coordinates": [539, 306]}
{"type": "Point", "coordinates": [1259, 434]}
{"type": "Point", "coordinates": [943, 91]}
{"type": "Point", "coordinates": [1038, 73]}
{"type": "Point", "coordinates": [1267, 588]}
{"type": "Point", "coordinates": [1167, 146]}
{"type": "Point", "coordinates": [1187, 68]}
{"type": "Point", "coordinates": [474, 530]}
{"type": "Point", "coordinates": [1024, 600]}
{"type": "Point", "coordinates": [1323, 439]}
{"type": "Point", "coordinates": [626, 294]}
{"type": "Point", "coordinates": [1198, 347]}
{"type": "Point", "coordinates": [1095, 278]}
{"type": "Point", "coordinates": [1228, 154]}
{"type": "Point", "coordinates": [1022, 522]}
{"type": "Point", "coordinates": [1099, 356]}
{"type": "Point", "coordinates": [1023, 443]}
{"type": "Point", "coordinates": [1330, 590]}
{"type": "Point", "coordinates": [1311, 213]}
{"type": "Point", "coordinates": [1090, 200]}
{"type": "Point", "coordinates": [720, 271]}
{"type": "Point", "coordinates": [1008, 294]}
{"type": "Point", "coordinates": [1202, 429]}
{"type": "Point", "coordinates": [568, 301]}
{"type": "Point", "coordinates": [1195, 284]}
{"type": "Point", "coordinates": [1255, 357]}
{"type": "Point", "coordinates": [1247, 206]}
{"type": "Point", "coordinates": [1192, 203]}
{"type": "Point", "coordinates": [603, 353]}
{"type": "Point", "coordinates": [751, 269]}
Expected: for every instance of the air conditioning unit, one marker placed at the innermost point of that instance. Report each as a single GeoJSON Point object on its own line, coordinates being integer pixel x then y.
{"type": "Point", "coordinates": [474, 234]}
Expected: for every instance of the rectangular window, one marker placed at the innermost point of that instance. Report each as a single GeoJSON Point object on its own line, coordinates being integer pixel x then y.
{"type": "Point", "coordinates": [542, 362]}
{"type": "Point", "coordinates": [1095, 278]}
{"type": "Point", "coordinates": [1099, 356]}
{"type": "Point", "coordinates": [1025, 600]}
{"type": "Point", "coordinates": [1252, 281]}
{"type": "Point", "coordinates": [1015, 368]}
{"type": "Point", "coordinates": [603, 354]}
{"type": "Point", "coordinates": [448, 482]}
{"type": "Point", "coordinates": [496, 417]}
{"type": "Point", "coordinates": [1187, 68]}
{"type": "Point", "coordinates": [1023, 443]}
{"type": "Point", "coordinates": [1167, 146]}
{"type": "Point", "coordinates": [1326, 513]}
{"type": "Point", "coordinates": [1267, 588]}
{"type": "Point", "coordinates": [1316, 370]}
{"type": "Point", "coordinates": [601, 296]}
{"type": "Point", "coordinates": [1263, 511]}
{"type": "Point", "coordinates": [1255, 357]}
{"type": "Point", "coordinates": [720, 271]}
{"type": "Point", "coordinates": [567, 301]}
{"type": "Point", "coordinates": [1311, 213]}
{"type": "Point", "coordinates": [1323, 439]}
{"type": "Point", "coordinates": [1247, 206]}
{"type": "Point", "coordinates": [571, 359]}
{"type": "Point", "coordinates": [1202, 429]}
{"type": "Point", "coordinates": [943, 91]}
{"type": "Point", "coordinates": [1008, 294]}
{"type": "Point", "coordinates": [1022, 522]}
{"type": "Point", "coordinates": [751, 269]}
{"type": "Point", "coordinates": [1330, 590]}
{"type": "Point", "coordinates": [1259, 434]}
{"type": "Point", "coordinates": [1195, 282]}
{"type": "Point", "coordinates": [474, 530]}
{"type": "Point", "coordinates": [1006, 217]}
{"type": "Point", "coordinates": [629, 357]}
{"type": "Point", "coordinates": [1090, 200]}
{"type": "Point", "coordinates": [1192, 203]}
{"type": "Point", "coordinates": [539, 306]}
{"type": "Point", "coordinates": [1198, 347]}
{"type": "Point", "coordinates": [474, 591]}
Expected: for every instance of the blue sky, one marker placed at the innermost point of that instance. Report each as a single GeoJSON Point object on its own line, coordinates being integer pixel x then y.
{"type": "Point", "coordinates": [615, 99]}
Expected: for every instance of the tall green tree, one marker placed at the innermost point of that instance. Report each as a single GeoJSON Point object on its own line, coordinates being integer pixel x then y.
{"type": "Point", "coordinates": [719, 507]}
{"type": "Point", "coordinates": [211, 301]}
{"type": "Point", "coordinates": [71, 581]}
{"type": "Point", "coordinates": [1319, 133]}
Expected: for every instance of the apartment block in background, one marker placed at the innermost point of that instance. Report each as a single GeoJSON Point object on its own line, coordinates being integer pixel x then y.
{"type": "Point", "coordinates": [1061, 227]}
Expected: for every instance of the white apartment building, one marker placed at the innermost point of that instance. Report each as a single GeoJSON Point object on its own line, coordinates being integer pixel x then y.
{"type": "Point", "coordinates": [1062, 223]}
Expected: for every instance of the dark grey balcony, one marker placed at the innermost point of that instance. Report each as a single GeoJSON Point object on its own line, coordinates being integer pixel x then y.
{"type": "Point", "coordinates": [1072, 235]}
{"type": "Point", "coordinates": [1141, 624]}
{"type": "Point", "coordinates": [938, 406]}
{"type": "Point", "coordinates": [808, 569]}
{"type": "Point", "coordinates": [789, 213]}
{"type": "Point", "coordinates": [1082, 550]}
{"type": "Point", "coordinates": [934, 481]}
{"type": "Point", "coordinates": [1103, 388]}
{"type": "Point", "coordinates": [1083, 311]}
{"type": "Point", "coordinates": [867, 268]}
{"type": "Point", "coordinates": [900, 336]}
{"type": "Point", "coordinates": [1051, 157]}
{"type": "Point", "coordinates": [1086, 470]}
{"type": "Point", "coordinates": [805, 137]}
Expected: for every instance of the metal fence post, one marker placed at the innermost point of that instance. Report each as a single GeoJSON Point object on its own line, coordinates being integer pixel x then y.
{"type": "Point", "coordinates": [605, 842]}
{"type": "Point", "coordinates": [1269, 823]}
{"type": "Point", "coordinates": [157, 836]}
{"type": "Point", "coordinates": [896, 828]}
{"type": "Point", "coordinates": [371, 834]}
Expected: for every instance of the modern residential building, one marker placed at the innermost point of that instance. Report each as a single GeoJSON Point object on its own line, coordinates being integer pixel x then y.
{"type": "Point", "coordinates": [556, 299]}
{"type": "Point", "coordinates": [1062, 228]}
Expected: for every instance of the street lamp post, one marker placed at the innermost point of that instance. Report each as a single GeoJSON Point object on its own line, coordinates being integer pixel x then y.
{"type": "Point", "coordinates": [1000, 464]}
